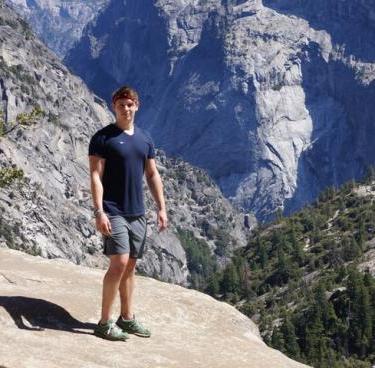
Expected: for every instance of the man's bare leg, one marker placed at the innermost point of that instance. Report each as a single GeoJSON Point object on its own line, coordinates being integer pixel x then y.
{"type": "Point", "coordinates": [126, 288]}
{"type": "Point", "coordinates": [111, 283]}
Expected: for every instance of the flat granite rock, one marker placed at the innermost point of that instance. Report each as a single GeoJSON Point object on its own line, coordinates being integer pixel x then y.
{"type": "Point", "coordinates": [49, 307]}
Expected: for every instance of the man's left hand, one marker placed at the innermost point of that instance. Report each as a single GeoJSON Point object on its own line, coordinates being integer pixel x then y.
{"type": "Point", "coordinates": [162, 220]}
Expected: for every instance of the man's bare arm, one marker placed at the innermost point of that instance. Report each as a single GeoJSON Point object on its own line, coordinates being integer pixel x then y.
{"type": "Point", "coordinates": [156, 188]}
{"type": "Point", "coordinates": [96, 173]}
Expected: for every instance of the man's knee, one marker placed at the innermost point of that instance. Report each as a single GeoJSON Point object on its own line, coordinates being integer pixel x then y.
{"type": "Point", "coordinates": [130, 266]}
{"type": "Point", "coordinates": [118, 265]}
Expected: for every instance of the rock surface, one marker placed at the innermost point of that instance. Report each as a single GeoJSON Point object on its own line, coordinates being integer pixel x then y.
{"type": "Point", "coordinates": [253, 92]}
{"type": "Point", "coordinates": [47, 116]}
{"type": "Point", "coordinates": [49, 307]}
{"type": "Point", "coordinates": [195, 205]}
{"type": "Point", "coordinates": [59, 23]}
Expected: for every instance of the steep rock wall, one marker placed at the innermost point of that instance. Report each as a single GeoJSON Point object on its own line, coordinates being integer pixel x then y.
{"type": "Point", "coordinates": [258, 97]}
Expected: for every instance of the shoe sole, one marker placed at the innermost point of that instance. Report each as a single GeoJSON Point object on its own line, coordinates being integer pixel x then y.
{"type": "Point", "coordinates": [109, 338]}
{"type": "Point", "coordinates": [140, 335]}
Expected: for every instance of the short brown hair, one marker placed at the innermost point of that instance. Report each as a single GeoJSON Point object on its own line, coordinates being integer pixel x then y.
{"type": "Point", "coordinates": [125, 92]}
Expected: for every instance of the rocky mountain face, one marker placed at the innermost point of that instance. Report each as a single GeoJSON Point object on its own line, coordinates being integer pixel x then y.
{"type": "Point", "coordinates": [47, 118]}
{"type": "Point", "coordinates": [58, 23]}
{"type": "Point", "coordinates": [273, 98]}
{"type": "Point", "coordinates": [349, 23]}
{"type": "Point", "coordinates": [197, 207]}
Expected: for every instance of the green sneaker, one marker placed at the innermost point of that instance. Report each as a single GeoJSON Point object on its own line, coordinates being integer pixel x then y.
{"type": "Point", "coordinates": [110, 331]}
{"type": "Point", "coordinates": [133, 326]}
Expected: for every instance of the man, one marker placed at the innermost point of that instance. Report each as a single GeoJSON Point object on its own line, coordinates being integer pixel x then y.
{"type": "Point", "coordinates": [119, 155]}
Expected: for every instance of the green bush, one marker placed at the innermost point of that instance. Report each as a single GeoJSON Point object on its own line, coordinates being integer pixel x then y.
{"type": "Point", "coordinates": [8, 175]}
{"type": "Point", "coordinates": [23, 119]}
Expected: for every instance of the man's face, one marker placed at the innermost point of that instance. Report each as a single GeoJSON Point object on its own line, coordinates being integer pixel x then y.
{"type": "Point", "coordinates": [125, 109]}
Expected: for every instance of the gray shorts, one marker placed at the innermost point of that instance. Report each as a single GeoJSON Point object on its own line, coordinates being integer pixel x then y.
{"type": "Point", "coordinates": [128, 236]}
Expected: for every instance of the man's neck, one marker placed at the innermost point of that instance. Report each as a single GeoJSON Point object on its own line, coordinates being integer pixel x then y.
{"type": "Point", "coordinates": [125, 125]}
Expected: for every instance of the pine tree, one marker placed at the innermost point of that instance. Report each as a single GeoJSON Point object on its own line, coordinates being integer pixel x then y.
{"type": "Point", "coordinates": [328, 315]}
{"type": "Point", "coordinates": [316, 342]}
{"type": "Point", "coordinates": [297, 248]}
{"type": "Point", "coordinates": [213, 286]}
{"type": "Point", "coordinates": [365, 313]}
{"type": "Point", "coordinates": [262, 252]}
{"type": "Point", "coordinates": [292, 348]}
{"type": "Point", "coordinates": [361, 235]}
{"type": "Point", "coordinates": [350, 249]}
{"type": "Point", "coordinates": [283, 270]}
{"type": "Point", "coordinates": [277, 340]}
{"type": "Point", "coordinates": [360, 314]}
{"type": "Point", "coordinates": [231, 280]}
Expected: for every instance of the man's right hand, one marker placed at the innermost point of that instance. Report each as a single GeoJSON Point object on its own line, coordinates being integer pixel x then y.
{"type": "Point", "coordinates": [103, 225]}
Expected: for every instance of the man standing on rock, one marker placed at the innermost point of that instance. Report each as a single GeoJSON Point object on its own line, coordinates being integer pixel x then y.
{"type": "Point", "coordinates": [119, 155]}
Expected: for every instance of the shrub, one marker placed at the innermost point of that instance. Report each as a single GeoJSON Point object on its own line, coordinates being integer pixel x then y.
{"type": "Point", "coordinates": [10, 174]}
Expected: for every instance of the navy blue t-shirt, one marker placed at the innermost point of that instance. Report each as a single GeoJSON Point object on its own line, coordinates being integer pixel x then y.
{"type": "Point", "coordinates": [125, 157]}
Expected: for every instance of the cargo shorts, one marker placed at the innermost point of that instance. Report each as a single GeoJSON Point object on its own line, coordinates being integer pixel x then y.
{"type": "Point", "coordinates": [128, 236]}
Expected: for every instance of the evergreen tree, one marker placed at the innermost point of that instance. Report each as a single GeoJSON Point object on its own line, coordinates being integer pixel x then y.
{"type": "Point", "coordinates": [283, 269]}
{"type": "Point", "coordinates": [297, 248]}
{"type": "Point", "coordinates": [328, 315]}
{"type": "Point", "coordinates": [213, 286]}
{"type": "Point", "coordinates": [350, 249]}
{"type": "Point", "coordinates": [262, 252]}
{"type": "Point", "coordinates": [361, 235]}
{"type": "Point", "coordinates": [359, 314]}
{"type": "Point", "coordinates": [290, 339]}
{"type": "Point", "coordinates": [365, 313]}
{"type": "Point", "coordinates": [231, 281]}
{"type": "Point", "coordinates": [277, 340]}
{"type": "Point", "coordinates": [316, 343]}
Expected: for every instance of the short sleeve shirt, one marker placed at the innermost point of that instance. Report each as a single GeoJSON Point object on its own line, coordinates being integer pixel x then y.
{"type": "Point", "coordinates": [125, 158]}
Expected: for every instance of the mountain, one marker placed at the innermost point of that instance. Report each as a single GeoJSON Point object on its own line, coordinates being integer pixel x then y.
{"type": "Point", "coordinates": [308, 280]}
{"type": "Point", "coordinates": [58, 23]}
{"type": "Point", "coordinates": [267, 97]}
{"type": "Point", "coordinates": [48, 309]}
{"type": "Point", "coordinates": [47, 118]}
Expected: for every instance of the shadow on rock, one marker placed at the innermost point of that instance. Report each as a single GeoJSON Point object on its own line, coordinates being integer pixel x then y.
{"type": "Point", "coordinates": [41, 314]}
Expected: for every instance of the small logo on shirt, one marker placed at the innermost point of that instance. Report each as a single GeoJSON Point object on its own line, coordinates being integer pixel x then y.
{"type": "Point", "coordinates": [121, 142]}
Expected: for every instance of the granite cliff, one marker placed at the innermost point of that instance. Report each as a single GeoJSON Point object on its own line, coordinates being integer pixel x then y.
{"type": "Point", "coordinates": [265, 96]}
{"type": "Point", "coordinates": [58, 23]}
{"type": "Point", "coordinates": [47, 117]}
